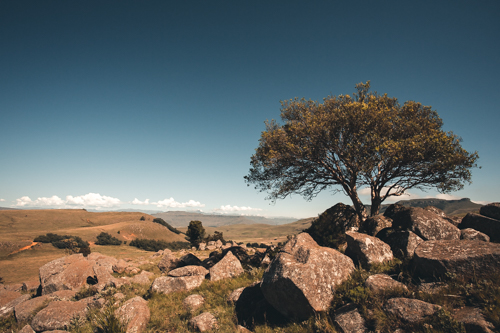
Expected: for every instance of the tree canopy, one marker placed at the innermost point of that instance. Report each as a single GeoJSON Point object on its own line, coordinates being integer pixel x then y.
{"type": "Point", "coordinates": [195, 232]}
{"type": "Point", "coordinates": [350, 142]}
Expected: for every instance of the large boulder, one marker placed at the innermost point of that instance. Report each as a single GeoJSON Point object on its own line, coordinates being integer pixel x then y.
{"type": "Point", "coordinates": [204, 322]}
{"type": "Point", "coordinates": [473, 320]}
{"type": "Point", "coordinates": [330, 227]}
{"type": "Point", "coordinates": [453, 220]}
{"type": "Point", "coordinates": [487, 225]}
{"type": "Point", "coordinates": [410, 310]}
{"type": "Point", "coordinates": [367, 250]}
{"type": "Point", "coordinates": [8, 308]}
{"type": "Point", "coordinates": [302, 278]}
{"type": "Point", "coordinates": [491, 210]}
{"type": "Point", "coordinates": [402, 242]}
{"type": "Point", "coordinates": [466, 259]}
{"type": "Point", "coordinates": [472, 234]}
{"type": "Point", "coordinates": [227, 268]}
{"type": "Point", "coordinates": [188, 271]}
{"type": "Point", "coordinates": [24, 311]}
{"type": "Point", "coordinates": [168, 262]}
{"type": "Point", "coordinates": [426, 224]}
{"type": "Point", "coordinates": [58, 315]}
{"type": "Point", "coordinates": [135, 314]}
{"type": "Point", "coordinates": [381, 283]}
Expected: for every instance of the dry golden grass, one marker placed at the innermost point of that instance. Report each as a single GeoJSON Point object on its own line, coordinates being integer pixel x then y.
{"type": "Point", "coordinates": [18, 228]}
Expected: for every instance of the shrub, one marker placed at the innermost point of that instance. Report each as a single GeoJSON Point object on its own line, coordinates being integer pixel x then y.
{"type": "Point", "coordinates": [215, 237]}
{"type": "Point", "coordinates": [156, 245]}
{"type": "Point", "coordinates": [195, 232]}
{"type": "Point", "coordinates": [106, 239]}
{"type": "Point", "coordinates": [142, 218]}
{"type": "Point", "coordinates": [165, 224]}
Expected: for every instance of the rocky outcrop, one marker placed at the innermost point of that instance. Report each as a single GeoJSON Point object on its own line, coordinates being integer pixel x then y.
{"type": "Point", "coordinates": [348, 320]}
{"type": "Point", "coordinates": [453, 220]}
{"type": "Point", "coordinates": [473, 320]}
{"type": "Point", "coordinates": [426, 224]}
{"type": "Point", "coordinates": [24, 311]}
{"type": "Point", "coordinates": [204, 322]}
{"type": "Point", "coordinates": [402, 242]}
{"type": "Point", "coordinates": [472, 234]}
{"type": "Point", "coordinates": [188, 271]}
{"type": "Point", "coordinates": [380, 283]}
{"type": "Point", "coordinates": [367, 250]}
{"type": "Point", "coordinates": [8, 308]}
{"type": "Point", "coordinates": [135, 314]}
{"type": "Point", "coordinates": [227, 268]}
{"type": "Point", "coordinates": [58, 315]}
{"type": "Point", "coordinates": [410, 310]}
{"type": "Point", "coordinates": [302, 278]}
{"type": "Point", "coordinates": [193, 302]}
{"type": "Point", "coordinates": [485, 224]}
{"type": "Point", "coordinates": [26, 329]}
{"type": "Point", "coordinates": [491, 210]}
{"type": "Point", "coordinates": [466, 259]}
{"type": "Point", "coordinates": [168, 262]}
{"type": "Point", "coordinates": [169, 284]}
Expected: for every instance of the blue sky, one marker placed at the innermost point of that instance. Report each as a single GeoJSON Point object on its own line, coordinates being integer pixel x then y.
{"type": "Point", "coordinates": [160, 104]}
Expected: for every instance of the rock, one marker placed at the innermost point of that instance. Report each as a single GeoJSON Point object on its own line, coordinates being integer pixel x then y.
{"type": "Point", "coordinates": [26, 329]}
{"type": "Point", "coordinates": [380, 283]}
{"type": "Point", "coordinates": [193, 302]}
{"type": "Point", "coordinates": [487, 225]}
{"type": "Point", "coordinates": [410, 310]}
{"type": "Point", "coordinates": [372, 225]}
{"type": "Point", "coordinates": [8, 308]}
{"type": "Point", "coordinates": [453, 220]}
{"type": "Point", "coordinates": [201, 246]}
{"type": "Point", "coordinates": [14, 287]}
{"type": "Point", "coordinates": [473, 320]}
{"type": "Point", "coordinates": [238, 251]}
{"type": "Point", "coordinates": [25, 310]}
{"type": "Point", "coordinates": [204, 322]}
{"type": "Point", "coordinates": [132, 270]}
{"type": "Point", "coordinates": [120, 266]}
{"type": "Point", "coordinates": [58, 315]}
{"type": "Point", "coordinates": [218, 244]}
{"type": "Point", "coordinates": [302, 278]}
{"type": "Point", "coordinates": [168, 262]}
{"type": "Point", "coordinates": [31, 286]}
{"type": "Point", "coordinates": [431, 287]}
{"type": "Point", "coordinates": [491, 210]}
{"type": "Point", "coordinates": [348, 320]}
{"type": "Point", "coordinates": [402, 242]}
{"type": "Point", "coordinates": [142, 278]}
{"type": "Point", "coordinates": [227, 268]}
{"type": "Point", "coordinates": [63, 295]}
{"type": "Point", "coordinates": [75, 271]}
{"type": "Point", "coordinates": [367, 250]}
{"type": "Point", "coordinates": [252, 308]}
{"type": "Point", "coordinates": [393, 209]}
{"type": "Point", "coordinates": [235, 295]}
{"type": "Point", "coordinates": [471, 234]}
{"type": "Point", "coordinates": [189, 260]}
{"type": "Point", "coordinates": [188, 271]}
{"type": "Point", "coordinates": [466, 259]}
{"type": "Point", "coordinates": [135, 314]}
{"type": "Point", "coordinates": [169, 284]}
{"type": "Point", "coordinates": [241, 329]}
{"type": "Point", "coordinates": [425, 224]}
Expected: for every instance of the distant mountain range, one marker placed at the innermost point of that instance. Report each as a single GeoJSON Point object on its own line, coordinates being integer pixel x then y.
{"type": "Point", "coordinates": [182, 219]}
{"type": "Point", "coordinates": [450, 207]}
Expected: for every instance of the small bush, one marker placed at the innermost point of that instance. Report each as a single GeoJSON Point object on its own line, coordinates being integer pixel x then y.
{"type": "Point", "coordinates": [106, 239]}
{"type": "Point", "coordinates": [156, 245]}
{"type": "Point", "coordinates": [215, 237]}
{"type": "Point", "coordinates": [71, 243]}
{"type": "Point", "coordinates": [142, 218]}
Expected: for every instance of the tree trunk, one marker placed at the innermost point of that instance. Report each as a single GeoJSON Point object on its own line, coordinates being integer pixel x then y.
{"type": "Point", "coordinates": [358, 206]}
{"type": "Point", "coordinates": [376, 202]}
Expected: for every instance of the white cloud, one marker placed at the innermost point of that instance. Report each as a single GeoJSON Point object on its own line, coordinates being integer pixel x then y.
{"type": "Point", "coordinates": [43, 201]}
{"type": "Point", "coordinates": [87, 200]}
{"type": "Point", "coordinates": [406, 196]}
{"type": "Point", "coordinates": [447, 196]}
{"type": "Point", "coordinates": [481, 202]}
{"type": "Point", "coordinates": [174, 204]}
{"type": "Point", "coordinates": [231, 209]}
{"type": "Point", "coordinates": [93, 200]}
{"type": "Point", "coordinates": [139, 202]}
{"type": "Point", "coordinates": [2, 200]}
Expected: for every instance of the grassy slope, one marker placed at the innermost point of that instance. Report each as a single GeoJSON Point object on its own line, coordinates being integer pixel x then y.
{"type": "Point", "coordinates": [19, 227]}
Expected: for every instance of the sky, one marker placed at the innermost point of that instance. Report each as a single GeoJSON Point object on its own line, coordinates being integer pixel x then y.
{"type": "Point", "coordinates": [159, 105]}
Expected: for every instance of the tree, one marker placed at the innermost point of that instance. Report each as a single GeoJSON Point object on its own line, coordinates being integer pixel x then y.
{"type": "Point", "coordinates": [347, 143]}
{"type": "Point", "coordinates": [195, 232]}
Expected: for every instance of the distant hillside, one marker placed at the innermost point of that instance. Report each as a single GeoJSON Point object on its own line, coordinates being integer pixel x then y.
{"type": "Point", "coordinates": [450, 207]}
{"type": "Point", "coordinates": [182, 219]}
{"type": "Point", "coordinates": [6, 208]}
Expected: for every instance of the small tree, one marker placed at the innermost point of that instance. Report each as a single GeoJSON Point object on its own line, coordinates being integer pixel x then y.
{"type": "Point", "coordinates": [195, 232]}
{"type": "Point", "coordinates": [347, 143]}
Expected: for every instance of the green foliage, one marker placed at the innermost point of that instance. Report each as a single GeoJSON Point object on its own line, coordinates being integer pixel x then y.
{"type": "Point", "coordinates": [215, 237]}
{"type": "Point", "coordinates": [165, 224]}
{"type": "Point", "coordinates": [72, 243]}
{"type": "Point", "coordinates": [257, 245]}
{"type": "Point", "coordinates": [143, 218]}
{"type": "Point", "coordinates": [156, 245]}
{"type": "Point", "coordinates": [106, 239]}
{"type": "Point", "coordinates": [85, 292]}
{"type": "Point", "coordinates": [105, 321]}
{"type": "Point", "coordinates": [195, 232]}
{"type": "Point", "coordinates": [350, 142]}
